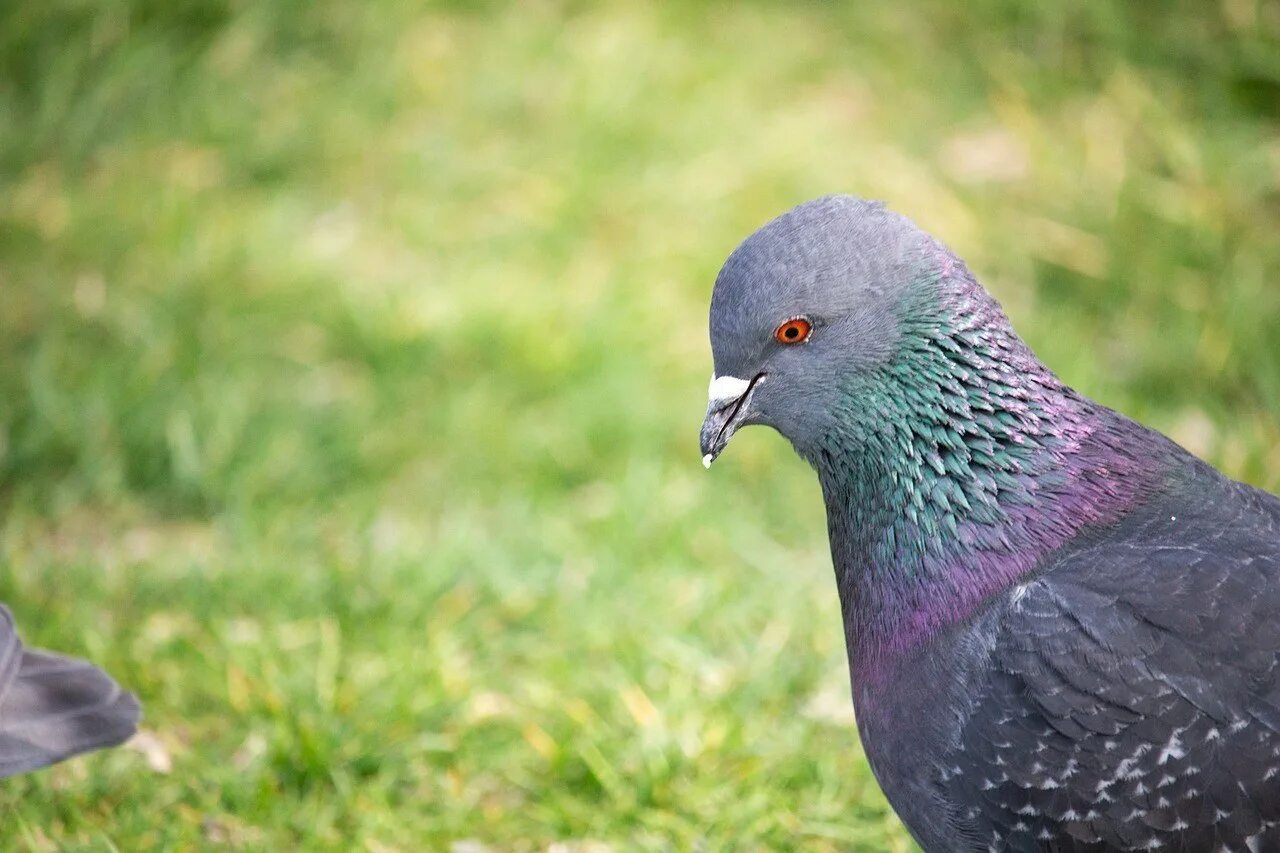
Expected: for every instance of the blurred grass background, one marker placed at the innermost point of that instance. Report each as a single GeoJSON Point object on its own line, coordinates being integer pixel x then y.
{"type": "Point", "coordinates": [352, 356]}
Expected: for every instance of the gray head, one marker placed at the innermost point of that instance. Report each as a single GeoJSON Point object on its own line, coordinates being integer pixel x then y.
{"type": "Point", "coordinates": [845, 271]}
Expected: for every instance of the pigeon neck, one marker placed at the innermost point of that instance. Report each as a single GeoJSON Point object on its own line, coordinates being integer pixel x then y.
{"type": "Point", "coordinates": [955, 469]}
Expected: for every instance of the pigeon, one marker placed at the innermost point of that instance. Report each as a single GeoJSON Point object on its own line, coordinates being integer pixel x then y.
{"type": "Point", "coordinates": [1063, 629]}
{"type": "Point", "coordinates": [53, 707]}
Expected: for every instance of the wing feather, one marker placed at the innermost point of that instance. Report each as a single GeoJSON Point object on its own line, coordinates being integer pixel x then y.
{"type": "Point", "coordinates": [53, 707]}
{"type": "Point", "coordinates": [1133, 697]}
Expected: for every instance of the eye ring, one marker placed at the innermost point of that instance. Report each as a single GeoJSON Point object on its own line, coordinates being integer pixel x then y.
{"type": "Point", "coordinates": [794, 331]}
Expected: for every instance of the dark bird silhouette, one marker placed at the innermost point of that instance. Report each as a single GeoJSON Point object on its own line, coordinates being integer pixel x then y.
{"type": "Point", "coordinates": [1062, 627]}
{"type": "Point", "coordinates": [53, 707]}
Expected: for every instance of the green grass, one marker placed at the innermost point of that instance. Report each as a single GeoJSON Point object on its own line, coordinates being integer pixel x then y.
{"type": "Point", "coordinates": [352, 357]}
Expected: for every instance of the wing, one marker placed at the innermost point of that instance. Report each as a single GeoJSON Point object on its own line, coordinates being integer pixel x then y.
{"type": "Point", "coordinates": [1134, 696]}
{"type": "Point", "coordinates": [54, 707]}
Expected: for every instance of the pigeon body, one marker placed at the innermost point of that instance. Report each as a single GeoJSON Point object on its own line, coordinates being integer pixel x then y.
{"type": "Point", "coordinates": [1063, 629]}
{"type": "Point", "coordinates": [53, 707]}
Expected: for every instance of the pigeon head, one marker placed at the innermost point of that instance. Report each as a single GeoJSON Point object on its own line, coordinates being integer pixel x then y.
{"type": "Point", "coordinates": [949, 457]}
{"type": "Point", "coordinates": [807, 307]}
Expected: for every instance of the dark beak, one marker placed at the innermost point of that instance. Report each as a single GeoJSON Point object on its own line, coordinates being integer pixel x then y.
{"type": "Point", "coordinates": [727, 408]}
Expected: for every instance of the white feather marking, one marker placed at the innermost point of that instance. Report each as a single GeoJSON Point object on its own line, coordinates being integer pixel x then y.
{"type": "Point", "coordinates": [1172, 749]}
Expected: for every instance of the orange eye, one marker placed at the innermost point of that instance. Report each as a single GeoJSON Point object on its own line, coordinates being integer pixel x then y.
{"type": "Point", "coordinates": [794, 331]}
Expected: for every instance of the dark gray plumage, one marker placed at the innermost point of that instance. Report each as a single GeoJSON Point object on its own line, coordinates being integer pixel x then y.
{"type": "Point", "coordinates": [1063, 629]}
{"type": "Point", "coordinates": [53, 707]}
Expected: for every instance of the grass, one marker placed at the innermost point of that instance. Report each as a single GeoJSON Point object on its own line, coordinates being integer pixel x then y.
{"type": "Point", "coordinates": [352, 357]}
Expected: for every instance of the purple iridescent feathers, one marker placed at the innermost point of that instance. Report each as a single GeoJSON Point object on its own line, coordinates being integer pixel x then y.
{"type": "Point", "coordinates": [956, 467]}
